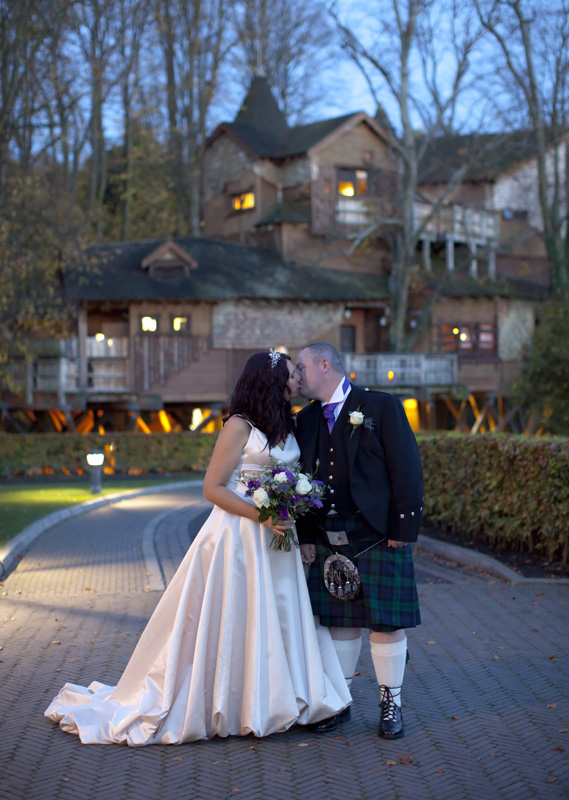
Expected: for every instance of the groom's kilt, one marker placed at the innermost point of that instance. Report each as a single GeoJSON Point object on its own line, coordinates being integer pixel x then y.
{"type": "Point", "coordinates": [388, 598]}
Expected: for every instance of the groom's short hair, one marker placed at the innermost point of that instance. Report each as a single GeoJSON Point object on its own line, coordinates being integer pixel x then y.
{"type": "Point", "coordinates": [319, 350]}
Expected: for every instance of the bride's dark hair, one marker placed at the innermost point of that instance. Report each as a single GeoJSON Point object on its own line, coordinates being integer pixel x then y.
{"type": "Point", "coordinates": [260, 396]}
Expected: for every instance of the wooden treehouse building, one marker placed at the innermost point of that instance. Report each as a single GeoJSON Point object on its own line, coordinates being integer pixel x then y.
{"type": "Point", "coordinates": [164, 327]}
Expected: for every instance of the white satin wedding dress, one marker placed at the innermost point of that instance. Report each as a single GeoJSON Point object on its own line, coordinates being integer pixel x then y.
{"type": "Point", "coordinates": [232, 648]}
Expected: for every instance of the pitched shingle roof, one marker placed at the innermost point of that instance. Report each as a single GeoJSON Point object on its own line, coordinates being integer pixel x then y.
{"type": "Point", "coordinates": [261, 126]}
{"type": "Point", "coordinates": [224, 271]}
{"type": "Point", "coordinates": [489, 155]}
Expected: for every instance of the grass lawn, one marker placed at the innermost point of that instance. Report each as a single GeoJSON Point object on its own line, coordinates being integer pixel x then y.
{"type": "Point", "coordinates": [22, 504]}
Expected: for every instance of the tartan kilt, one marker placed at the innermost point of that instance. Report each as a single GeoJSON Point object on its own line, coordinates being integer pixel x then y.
{"type": "Point", "coordinates": [388, 598]}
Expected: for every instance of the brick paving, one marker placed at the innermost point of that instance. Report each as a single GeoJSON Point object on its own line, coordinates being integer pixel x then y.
{"type": "Point", "coordinates": [486, 692]}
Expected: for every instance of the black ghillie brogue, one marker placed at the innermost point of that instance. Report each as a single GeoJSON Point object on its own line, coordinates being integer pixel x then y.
{"type": "Point", "coordinates": [391, 716]}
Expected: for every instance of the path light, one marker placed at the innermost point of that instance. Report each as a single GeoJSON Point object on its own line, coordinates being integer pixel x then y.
{"type": "Point", "coordinates": [95, 460]}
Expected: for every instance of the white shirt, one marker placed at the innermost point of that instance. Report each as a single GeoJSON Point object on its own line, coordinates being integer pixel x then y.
{"type": "Point", "coordinates": [339, 397]}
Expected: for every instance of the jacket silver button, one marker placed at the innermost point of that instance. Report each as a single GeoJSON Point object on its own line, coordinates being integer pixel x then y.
{"type": "Point", "coordinates": [331, 491]}
{"type": "Point", "coordinates": [402, 516]}
{"type": "Point", "coordinates": [330, 477]}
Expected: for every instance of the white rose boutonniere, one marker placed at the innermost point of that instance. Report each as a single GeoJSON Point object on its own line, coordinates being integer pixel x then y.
{"type": "Point", "coordinates": [357, 419]}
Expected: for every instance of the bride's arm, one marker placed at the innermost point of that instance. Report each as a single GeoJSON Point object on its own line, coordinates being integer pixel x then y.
{"type": "Point", "coordinates": [226, 455]}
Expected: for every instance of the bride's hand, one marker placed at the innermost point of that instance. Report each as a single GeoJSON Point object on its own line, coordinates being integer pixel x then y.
{"type": "Point", "coordinates": [280, 528]}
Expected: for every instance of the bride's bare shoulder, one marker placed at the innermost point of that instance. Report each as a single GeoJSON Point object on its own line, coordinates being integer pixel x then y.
{"type": "Point", "coordinates": [237, 426]}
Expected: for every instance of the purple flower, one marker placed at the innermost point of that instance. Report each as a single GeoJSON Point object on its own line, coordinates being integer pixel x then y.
{"type": "Point", "coordinates": [253, 484]}
{"type": "Point", "coordinates": [283, 512]}
{"type": "Point", "coordinates": [314, 503]}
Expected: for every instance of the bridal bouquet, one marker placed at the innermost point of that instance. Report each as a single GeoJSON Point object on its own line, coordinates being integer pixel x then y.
{"type": "Point", "coordinates": [283, 493]}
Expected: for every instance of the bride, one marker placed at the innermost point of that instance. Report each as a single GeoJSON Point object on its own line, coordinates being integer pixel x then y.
{"type": "Point", "coordinates": [232, 648]}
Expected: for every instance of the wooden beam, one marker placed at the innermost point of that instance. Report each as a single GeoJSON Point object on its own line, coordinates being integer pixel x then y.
{"type": "Point", "coordinates": [452, 408]}
{"type": "Point", "coordinates": [482, 415]}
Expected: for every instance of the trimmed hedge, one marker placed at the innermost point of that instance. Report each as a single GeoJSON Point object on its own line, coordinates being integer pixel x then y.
{"type": "Point", "coordinates": [512, 491]}
{"type": "Point", "coordinates": [134, 452]}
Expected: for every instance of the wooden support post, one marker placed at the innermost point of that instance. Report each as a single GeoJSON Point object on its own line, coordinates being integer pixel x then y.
{"type": "Point", "coordinates": [480, 419]}
{"type": "Point", "coordinates": [82, 332]}
{"type": "Point", "coordinates": [427, 254]}
{"type": "Point", "coordinates": [450, 252]}
{"type": "Point", "coordinates": [492, 262]}
{"type": "Point", "coordinates": [473, 260]}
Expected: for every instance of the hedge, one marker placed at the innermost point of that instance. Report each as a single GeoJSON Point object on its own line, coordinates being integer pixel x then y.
{"type": "Point", "coordinates": [511, 491]}
{"type": "Point", "coordinates": [132, 453]}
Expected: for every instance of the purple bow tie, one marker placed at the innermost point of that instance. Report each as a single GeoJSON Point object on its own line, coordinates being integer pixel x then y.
{"type": "Point", "coordinates": [328, 411]}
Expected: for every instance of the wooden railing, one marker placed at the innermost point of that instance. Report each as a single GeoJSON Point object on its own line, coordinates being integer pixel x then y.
{"type": "Point", "coordinates": [157, 357]}
{"type": "Point", "coordinates": [463, 223]}
{"type": "Point", "coordinates": [56, 368]}
{"type": "Point", "coordinates": [408, 370]}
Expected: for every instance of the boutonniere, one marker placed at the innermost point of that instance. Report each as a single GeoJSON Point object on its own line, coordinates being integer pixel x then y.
{"type": "Point", "coordinates": [357, 419]}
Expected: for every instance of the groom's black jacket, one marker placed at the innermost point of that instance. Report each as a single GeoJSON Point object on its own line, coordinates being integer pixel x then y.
{"type": "Point", "coordinates": [376, 470]}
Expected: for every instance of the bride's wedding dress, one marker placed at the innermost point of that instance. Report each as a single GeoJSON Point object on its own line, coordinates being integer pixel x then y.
{"type": "Point", "coordinates": [231, 649]}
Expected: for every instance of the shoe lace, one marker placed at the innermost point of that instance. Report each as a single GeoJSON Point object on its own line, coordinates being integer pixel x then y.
{"type": "Point", "coordinates": [389, 707]}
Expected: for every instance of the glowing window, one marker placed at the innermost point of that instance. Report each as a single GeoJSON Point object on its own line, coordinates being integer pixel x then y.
{"type": "Point", "coordinates": [100, 337]}
{"type": "Point", "coordinates": [179, 324]}
{"type": "Point", "coordinates": [346, 188]}
{"type": "Point", "coordinates": [352, 182]}
{"type": "Point", "coordinates": [149, 324]}
{"type": "Point", "coordinates": [243, 202]}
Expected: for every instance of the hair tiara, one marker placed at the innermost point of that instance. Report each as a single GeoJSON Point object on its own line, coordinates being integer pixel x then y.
{"type": "Point", "coordinates": [274, 357]}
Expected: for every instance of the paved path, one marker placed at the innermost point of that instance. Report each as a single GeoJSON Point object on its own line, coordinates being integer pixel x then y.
{"type": "Point", "coordinates": [486, 688]}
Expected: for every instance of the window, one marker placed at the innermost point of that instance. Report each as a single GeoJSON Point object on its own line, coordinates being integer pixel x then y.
{"type": "Point", "coordinates": [474, 340]}
{"type": "Point", "coordinates": [243, 202]}
{"type": "Point", "coordinates": [148, 324]}
{"type": "Point", "coordinates": [352, 182]}
{"type": "Point", "coordinates": [180, 324]}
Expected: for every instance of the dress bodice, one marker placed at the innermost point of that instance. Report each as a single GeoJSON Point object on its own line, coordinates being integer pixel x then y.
{"type": "Point", "coordinates": [256, 456]}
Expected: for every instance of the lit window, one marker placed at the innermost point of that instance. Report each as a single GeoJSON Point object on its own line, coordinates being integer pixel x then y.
{"type": "Point", "coordinates": [149, 324]}
{"type": "Point", "coordinates": [474, 340]}
{"type": "Point", "coordinates": [352, 182]}
{"type": "Point", "coordinates": [179, 324]}
{"type": "Point", "coordinates": [346, 188]}
{"type": "Point", "coordinates": [243, 202]}
{"type": "Point", "coordinates": [99, 337]}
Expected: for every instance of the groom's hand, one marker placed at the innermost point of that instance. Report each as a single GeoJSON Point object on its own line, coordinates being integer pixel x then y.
{"type": "Point", "coordinates": [308, 553]}
{"type": "Point", "coordinates": [395, 543]}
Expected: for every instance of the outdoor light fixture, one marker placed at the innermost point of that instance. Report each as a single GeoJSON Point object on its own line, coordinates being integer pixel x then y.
{"type": "Point", "coordinates": [95, 460]}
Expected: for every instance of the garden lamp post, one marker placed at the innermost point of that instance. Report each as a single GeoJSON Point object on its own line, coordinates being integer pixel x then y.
{"type": "Point", "coordinates": [95, 460]}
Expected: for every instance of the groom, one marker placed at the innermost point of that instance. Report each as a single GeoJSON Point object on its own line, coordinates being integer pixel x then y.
{"type": "Point", "coordinates": [361, 446]}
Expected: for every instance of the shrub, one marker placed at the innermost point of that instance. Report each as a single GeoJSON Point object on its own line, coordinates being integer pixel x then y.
{"type": "Point", "coordinates": [134, 452]}
{"type": "Point", "coordinates": [512, 491]}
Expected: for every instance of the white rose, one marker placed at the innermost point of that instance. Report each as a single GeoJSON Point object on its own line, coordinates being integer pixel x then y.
{"type": "Point", "coordinates": [303, 486]}
{"type": "Point", "coordinates": [302, 477]}
{"type": "Point", "coordinates": [260, 498]}
{"type": "Point", "coordinates": [280, 477]}
{"type": "Point", "coordinates": [356, 418]}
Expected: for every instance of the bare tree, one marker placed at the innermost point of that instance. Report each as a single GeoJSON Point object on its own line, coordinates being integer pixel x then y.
{"type": "Point", "coordinates": [193, 35]}
{"type": "Point", "coordinates": [418, 59]}
{"type": "Point", "coordinates": [290, 41]}
{"type": "Point", "coordinates": [94, 26]}
{"type": "Point", "coordinates": [532, 41]}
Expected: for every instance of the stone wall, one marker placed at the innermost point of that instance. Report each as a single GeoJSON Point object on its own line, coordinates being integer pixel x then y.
{"type": "Point", "coordinates": [243, 324]}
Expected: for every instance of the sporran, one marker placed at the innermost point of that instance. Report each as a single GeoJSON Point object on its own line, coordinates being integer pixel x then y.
{"type": "Point", "coordinates": [341, 577]}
